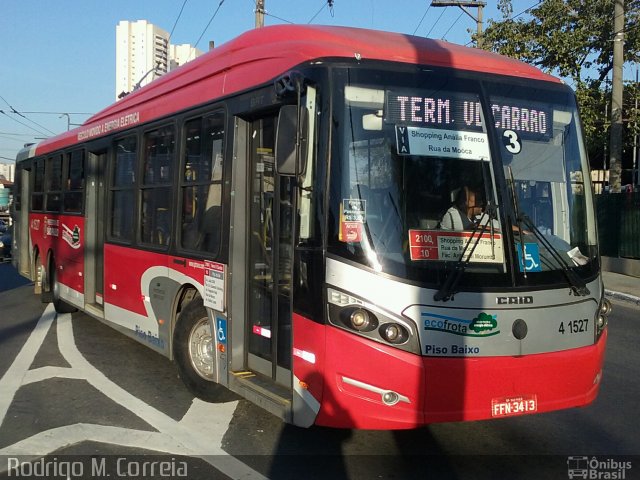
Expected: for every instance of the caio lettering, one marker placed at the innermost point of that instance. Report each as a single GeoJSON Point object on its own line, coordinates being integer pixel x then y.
{"type": "Point", "coordinates": [524, 300]}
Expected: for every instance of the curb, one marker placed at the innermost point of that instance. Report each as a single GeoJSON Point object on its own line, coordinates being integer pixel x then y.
{"type": "Point", "coordinates": [622, 296]}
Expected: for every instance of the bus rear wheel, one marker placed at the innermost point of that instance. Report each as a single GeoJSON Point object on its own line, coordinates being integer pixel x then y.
{"type": "Point", "coordinates": [195, 355]}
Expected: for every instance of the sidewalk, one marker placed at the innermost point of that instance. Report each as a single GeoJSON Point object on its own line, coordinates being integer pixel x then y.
{"type": "Point", "coordinates": [621, 287]}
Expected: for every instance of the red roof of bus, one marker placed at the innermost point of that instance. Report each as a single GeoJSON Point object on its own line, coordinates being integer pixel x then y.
{"type": "Point", "coordinates": [262, 54]}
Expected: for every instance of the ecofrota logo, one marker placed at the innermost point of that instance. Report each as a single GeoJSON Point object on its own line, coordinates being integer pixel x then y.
{"type": "Point", "coordinates": [484, 325]}
{"type": "Point", "coordinates": [597, 468]}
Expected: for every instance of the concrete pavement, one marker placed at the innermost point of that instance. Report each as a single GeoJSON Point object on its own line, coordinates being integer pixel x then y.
{"type": "Point", "coordinates": [622, 287]}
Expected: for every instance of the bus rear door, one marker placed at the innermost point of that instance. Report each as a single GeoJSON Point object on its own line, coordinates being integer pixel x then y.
{"type": "Point", "coordinates": [94, 231]}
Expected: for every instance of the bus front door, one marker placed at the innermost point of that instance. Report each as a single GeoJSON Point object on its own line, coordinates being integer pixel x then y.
{"type": "Point", "coordinates": [269, 306]}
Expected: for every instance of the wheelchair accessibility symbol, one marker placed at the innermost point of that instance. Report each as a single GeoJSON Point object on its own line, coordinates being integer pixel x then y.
{"type": "Point", "coordinates": [531, 257]}
{"type": "Point", "coordinates": [221, 330]}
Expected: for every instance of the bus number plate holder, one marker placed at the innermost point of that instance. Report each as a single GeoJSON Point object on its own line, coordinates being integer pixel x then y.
{"type": "Point", "coordinates": [510, 406]}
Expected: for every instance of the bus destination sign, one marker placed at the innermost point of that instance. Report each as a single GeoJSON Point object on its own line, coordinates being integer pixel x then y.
{"type": "Point", "coordinates": [463, 112]}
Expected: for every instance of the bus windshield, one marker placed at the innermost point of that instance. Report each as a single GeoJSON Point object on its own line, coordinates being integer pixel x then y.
{"type": "Point", "coordinates": [430, 170]}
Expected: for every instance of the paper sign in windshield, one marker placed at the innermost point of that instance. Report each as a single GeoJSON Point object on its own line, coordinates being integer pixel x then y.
{"type": "Point", "coordinates": [353, 214]}
{"type": "Point", "coordinates": [435, 142]}
{"type": "Point", "coordinates": [448, 246]}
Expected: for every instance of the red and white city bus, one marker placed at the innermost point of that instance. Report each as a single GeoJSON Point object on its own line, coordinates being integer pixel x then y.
{"type": "Point", "coordinates": [272, 217]}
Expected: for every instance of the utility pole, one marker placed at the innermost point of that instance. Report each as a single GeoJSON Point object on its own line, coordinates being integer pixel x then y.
{"type": "Point", "coordinates": [635, 181]}
{"type": "Point", "coordinates": [259, 13]}
{"type": "Point", "coordinates": [462, 4]}
{"type": "Point", "coordinates": [615, 162]}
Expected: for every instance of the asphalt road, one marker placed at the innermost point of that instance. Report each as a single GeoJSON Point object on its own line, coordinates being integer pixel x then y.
{"type": "Point", "coordinates": [71, 386]}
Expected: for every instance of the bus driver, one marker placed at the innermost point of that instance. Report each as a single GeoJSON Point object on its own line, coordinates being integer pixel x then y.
{"type": "Point", "coordinates": [461, 214]}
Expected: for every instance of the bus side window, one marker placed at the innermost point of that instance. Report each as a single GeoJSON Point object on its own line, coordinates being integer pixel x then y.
{"type": "Point", "coordinates": [37, 195]}
{"type": "Point", "coordinates": [53, 184]}
{"type": "Point", "coordinates": [123, 180]}
{"type": "Point", "coordinates": [74, 184]}
{"type": "Point", "coordinates": [201, 184]}
{"type": "Point", "coordinates": [159, 148]}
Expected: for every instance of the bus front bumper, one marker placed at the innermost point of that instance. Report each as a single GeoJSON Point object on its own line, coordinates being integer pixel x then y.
{"type": "Point", "coordinates": [371, 386]}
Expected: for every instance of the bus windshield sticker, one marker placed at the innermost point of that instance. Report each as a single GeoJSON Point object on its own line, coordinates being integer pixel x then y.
{"type": "Point", "coordinates": [353, 214]}
{"type": "Point", "coordinates": [433, 142]}
{"type": "Point", "coordinates": [434, 245]}
{"type": "Point", "coordinates": [531, 257]}
{"type": "Point", "coordinates": [354, 210]}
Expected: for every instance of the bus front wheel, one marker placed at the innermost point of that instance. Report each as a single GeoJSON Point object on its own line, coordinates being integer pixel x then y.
{"type": "Point", "coordinates": [195, 354]}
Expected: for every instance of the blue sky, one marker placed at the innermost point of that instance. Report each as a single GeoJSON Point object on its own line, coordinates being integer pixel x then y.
{"type": "Point", "coordinates": [59, 55]}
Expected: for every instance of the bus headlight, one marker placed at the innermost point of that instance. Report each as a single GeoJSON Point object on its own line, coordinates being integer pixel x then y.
{"type": "Point", "coordinates": [394, 333]}
{"type": "Point", "coordinates": [361, 320]}
{"type": "Point", "coordinates": [369, 321]}
{"type": "Point", "coordinates": [602, 317]}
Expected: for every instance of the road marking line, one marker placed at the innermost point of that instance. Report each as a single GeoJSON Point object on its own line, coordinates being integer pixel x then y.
{"type": "Point", "coordinates": [12, 379]}
{"type": "Point", "coordinates": [199, 433]}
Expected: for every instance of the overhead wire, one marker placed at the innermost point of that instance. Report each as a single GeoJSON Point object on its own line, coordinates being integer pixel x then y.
{"type": "Point", "coordinates": [16, 112]}
{"type": "Point", "coordinates": [328, 3]}
{"type": "Point", "coordinates": [452, 25]}
{"type": "Point", "coordinates": [526, 10]}
{"type": "Point", "coordinates": [2, 112]}
{"type": "Point", "coordinates": [422, 19]}
{"type": "Point", "coordinates": [176, 22]}
{"type": "Point", "coordinates": [210, 20]}
{"type": "Point", "coordinates": [436, 22]}
{"type": "Point", "coordinates": [59, 113]}
{"type": "Point", "coordinates": [278, 18]}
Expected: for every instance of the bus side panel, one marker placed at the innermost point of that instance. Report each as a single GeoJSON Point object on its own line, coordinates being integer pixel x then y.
{"type": "Point", "coordinates": [40, 241]}
{"type": "Point", "coordinates": [358, 371]}
{"type": "Point", "coordinates": [123, 270]}
{"type": "Point", "coordinates": [63, 238]}
{"type": "Point", "coordinates": [69, 257]}
{"type": "Point", "coordinates": [464, 388]}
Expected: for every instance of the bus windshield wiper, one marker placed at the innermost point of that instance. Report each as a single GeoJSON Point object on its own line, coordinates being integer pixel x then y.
{"type": "Point", "coordinates": [578, 285]}
{"type": "Point", "coordinates": [447, 290]}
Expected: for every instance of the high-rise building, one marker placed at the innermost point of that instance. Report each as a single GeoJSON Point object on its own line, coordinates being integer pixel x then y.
{"type": "Point", "coordinates": [7, 171]}
{"type": "Point", "coordinates": [143, 53]}
{"type": "Point", "coordinates": [181, 54]}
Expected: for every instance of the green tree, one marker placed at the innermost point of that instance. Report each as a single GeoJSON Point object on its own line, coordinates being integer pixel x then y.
{"type": "Point", "coordinates": [574, 40]}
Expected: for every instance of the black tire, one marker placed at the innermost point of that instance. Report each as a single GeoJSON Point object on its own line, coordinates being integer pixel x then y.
{"type": "Point", "coordinates": [58, 304]}
{"type": "Point", "coordinates": [195, 356]}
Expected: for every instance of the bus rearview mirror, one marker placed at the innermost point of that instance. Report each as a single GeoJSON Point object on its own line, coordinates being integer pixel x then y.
{"type": "Point", "coordinates": [289, 159]}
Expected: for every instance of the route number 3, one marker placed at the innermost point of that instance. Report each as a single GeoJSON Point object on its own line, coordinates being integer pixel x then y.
{"type": "Point", "coordinates": [511, 142]}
